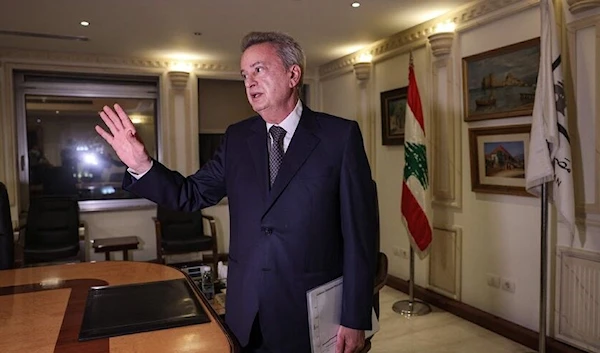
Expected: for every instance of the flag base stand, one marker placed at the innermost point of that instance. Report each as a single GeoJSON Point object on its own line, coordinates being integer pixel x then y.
{"type": "Point", "coordinates": [411, 307]}
{"type": "Point", "coordinates": [408, 308]}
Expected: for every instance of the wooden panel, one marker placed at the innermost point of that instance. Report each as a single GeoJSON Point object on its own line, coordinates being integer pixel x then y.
{"type": "Point", "coordinates": [22, 334]}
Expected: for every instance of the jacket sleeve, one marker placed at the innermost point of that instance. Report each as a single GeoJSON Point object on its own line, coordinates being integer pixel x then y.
{"type": "Point", "coordinates": [359, 230]}
{"type": "Point", "coordinates": [170, 189]}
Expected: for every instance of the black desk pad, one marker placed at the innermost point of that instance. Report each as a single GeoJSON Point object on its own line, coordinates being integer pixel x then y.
{"type": "Point", "coordinates": [132, 308]}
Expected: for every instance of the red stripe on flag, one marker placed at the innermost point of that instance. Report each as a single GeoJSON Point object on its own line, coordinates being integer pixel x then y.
{"type": "Point", "coordinates": [414, 99]}
{"type": "Point", "coordinates": [416, 219]}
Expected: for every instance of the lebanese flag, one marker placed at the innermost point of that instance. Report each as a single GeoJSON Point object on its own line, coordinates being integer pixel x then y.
{"type": "Point", "coordinates": [416, 206]}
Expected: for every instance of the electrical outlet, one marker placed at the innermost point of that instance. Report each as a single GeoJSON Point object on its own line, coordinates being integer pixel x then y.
{"type": "Point", "coordinates": [396, 250]}
{"type": "Point", "coordinates": [404, 253]}
{"type": "Point", "coordinates": [508, 285]}
{"type": "Point", "coordinates": [493, 280]}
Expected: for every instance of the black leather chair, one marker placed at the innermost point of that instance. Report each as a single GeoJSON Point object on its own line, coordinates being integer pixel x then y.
{"type": "Point", "coordinates": [381, 271]}
{"type": "Point", "coordinates": [180, 232]}
{"type": "Point", "coordinates": [7, 247]}
{"type": "Point", "coordinates": [52, 230]}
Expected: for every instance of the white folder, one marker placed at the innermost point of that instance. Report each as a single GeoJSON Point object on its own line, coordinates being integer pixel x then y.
{"type": "Point", "coordinates": [324, 313]}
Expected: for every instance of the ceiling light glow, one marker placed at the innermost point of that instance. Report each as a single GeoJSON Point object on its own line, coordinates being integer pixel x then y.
{"type": "Point", "coordinates": [356, 4]}
{"type": "Point", "coordinates": [84, 23]}
{"type": "Point", "coordinates": [365, 58]}
{"type": "Point", "coordinates": [181, 66]}
{"type": "Point", "coordinates": [445, 27]}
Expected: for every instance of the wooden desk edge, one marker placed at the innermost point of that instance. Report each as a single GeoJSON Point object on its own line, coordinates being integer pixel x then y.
{"type": "Point", "coordinates": [233, 343]}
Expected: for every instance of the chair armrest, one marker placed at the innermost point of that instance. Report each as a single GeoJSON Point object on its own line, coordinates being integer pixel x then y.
{"type": "Point", "coordinates": [212, 223]}
{"type": "Point", "coordinates": [382, 272]}
{"type": "Point", "coordinates": [158, 239]}
{"type": "Point", "coordinates": [18, 231]}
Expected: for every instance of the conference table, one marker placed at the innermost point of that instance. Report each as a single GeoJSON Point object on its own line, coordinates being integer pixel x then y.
{"type": "Point", "coordinates": [42, 308]}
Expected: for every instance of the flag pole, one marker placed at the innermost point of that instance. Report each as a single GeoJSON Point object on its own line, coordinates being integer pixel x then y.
{"type": "Point", "coordinates": [543, 269]}
{"type": "Point", "coordinates": [411, 307]}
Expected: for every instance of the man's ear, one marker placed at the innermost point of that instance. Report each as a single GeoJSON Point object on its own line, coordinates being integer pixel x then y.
{"type": "Point", "coordinates": [295, 75]}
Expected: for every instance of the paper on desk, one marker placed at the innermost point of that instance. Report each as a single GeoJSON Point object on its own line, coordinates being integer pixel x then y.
{"type": "Point", "coordinates": [324, 313]}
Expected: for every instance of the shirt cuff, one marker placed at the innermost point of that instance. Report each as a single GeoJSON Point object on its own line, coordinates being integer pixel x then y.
{"type": "Point", "coordinates": [139, 175]}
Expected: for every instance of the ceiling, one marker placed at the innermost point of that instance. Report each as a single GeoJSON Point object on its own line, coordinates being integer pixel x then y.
{"type": "Point", "coordinates": [164, 29]}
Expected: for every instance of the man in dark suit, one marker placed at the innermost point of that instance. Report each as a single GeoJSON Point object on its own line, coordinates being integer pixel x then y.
{"type": "Point", "coordinates": [301, 202]}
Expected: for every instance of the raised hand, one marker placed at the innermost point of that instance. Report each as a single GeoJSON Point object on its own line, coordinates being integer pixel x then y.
{"type": "Point", "coordinates": [123, 139]}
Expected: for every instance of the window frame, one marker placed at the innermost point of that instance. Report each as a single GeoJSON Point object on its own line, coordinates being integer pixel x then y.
{"type": "Point", "coordinates": [147, 87]}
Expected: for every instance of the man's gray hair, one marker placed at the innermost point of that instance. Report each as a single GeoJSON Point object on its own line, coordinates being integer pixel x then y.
{"type": "Point", "coordinates": [288, 50]}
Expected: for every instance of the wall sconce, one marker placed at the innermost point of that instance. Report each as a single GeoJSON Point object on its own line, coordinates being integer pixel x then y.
{"type": "Point", "coordinates": [178, 79]}
{"type": "Point", "coordinates": [362, 68]}
{"type": "Point", "coordinates": [441, 40]}
{"type": "Point", "coordinates": [577, 6]}
{"type": "Point", "coordinates": [362, 71]}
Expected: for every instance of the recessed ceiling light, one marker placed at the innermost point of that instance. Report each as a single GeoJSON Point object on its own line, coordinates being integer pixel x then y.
{"type": "Point", "coordinates": [356, 4]}
{"type": "Point", "coordinates": [84, 23]}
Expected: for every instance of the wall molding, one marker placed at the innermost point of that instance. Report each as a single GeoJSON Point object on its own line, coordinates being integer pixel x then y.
{"type": "Point", "coordinates": [447, 257]}
{"type": "Point", "coordinates": [468, 16]}
{"type": "Point", "coordinates": [446, 128]}
{"type": "Point", "coordinates": [7, 54]}
{"type": "Point", "coordinates": [508, 329]}
{"type": "Point", "coordinates": [571, 68]}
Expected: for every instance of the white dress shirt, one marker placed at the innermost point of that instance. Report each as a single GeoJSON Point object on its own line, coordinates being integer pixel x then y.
{"type": "Point", "coordinates": [289, 124]}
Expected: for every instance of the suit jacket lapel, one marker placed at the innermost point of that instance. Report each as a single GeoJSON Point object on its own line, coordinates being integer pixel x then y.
{"type": "Point", "coordinates": [257, 143]}
{"type": "Point", "coordinates": [301, 146]}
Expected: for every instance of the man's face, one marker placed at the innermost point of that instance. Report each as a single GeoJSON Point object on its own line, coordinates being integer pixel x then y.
{"type": "Point", "coordinates": [269, 85]}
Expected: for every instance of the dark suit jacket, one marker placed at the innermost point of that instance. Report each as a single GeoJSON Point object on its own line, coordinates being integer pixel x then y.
{"type": "Point", "coordinates": [6, 231]}
{"type": "Point", "coordinates": [317, 222]}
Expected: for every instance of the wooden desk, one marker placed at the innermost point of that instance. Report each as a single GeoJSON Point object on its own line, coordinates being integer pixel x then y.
{"type": "Point", "coordinates": [107, 245]}
{"type": "Point", "coordinates": [41, 309]}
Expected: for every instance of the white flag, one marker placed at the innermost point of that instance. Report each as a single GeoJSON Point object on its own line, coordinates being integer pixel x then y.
{"type": "Point", "coordinates": [549, 147]}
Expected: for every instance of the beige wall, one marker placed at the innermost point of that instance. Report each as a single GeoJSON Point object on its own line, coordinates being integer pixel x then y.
{"type": "Point", "coordinates": [497, 234]}
{"type": "Point", "coordinates": [500, 233]}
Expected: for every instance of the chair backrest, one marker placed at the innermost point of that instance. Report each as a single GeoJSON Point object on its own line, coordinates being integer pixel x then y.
{"type": "Point", "coordinates": [52, 222]}
{"type": "Point", "coordinates": [6, 231]}
{"type": "Point", "coordinates": [378, 268]}
{"type": "Point", "coordinates": [179, 224]}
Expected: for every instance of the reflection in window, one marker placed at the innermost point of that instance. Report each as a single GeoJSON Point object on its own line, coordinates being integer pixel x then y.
{"type": "Point", "coordinates": [67, 156]}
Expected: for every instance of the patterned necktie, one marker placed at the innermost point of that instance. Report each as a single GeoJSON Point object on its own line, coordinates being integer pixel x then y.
{"type": "Point", "coordinates": [276, 152]}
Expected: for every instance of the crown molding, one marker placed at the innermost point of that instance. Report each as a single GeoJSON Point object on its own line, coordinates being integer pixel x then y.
{"type": "Point", "coordinates": [577, 6]}
{"type": "Point", "coordinates": [468, 16]}
{"type": "Point", "coordinates": [33, 56]}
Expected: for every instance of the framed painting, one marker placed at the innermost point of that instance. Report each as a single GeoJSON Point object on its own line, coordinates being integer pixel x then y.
{"type": "Point", "coordinates": [393, 115]}
{"type": "Point", "coordinates": [501, 83]}
{"type": "Point", "coordinates": [498, 159]}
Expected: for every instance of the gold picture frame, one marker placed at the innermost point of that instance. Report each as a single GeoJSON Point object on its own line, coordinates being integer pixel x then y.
{"type": "Point", "coordinates": [498, 159]}
{"type": "Point", "coordinates": [501, 83]}
{"type": "Point", "coordinates": [393, 115]}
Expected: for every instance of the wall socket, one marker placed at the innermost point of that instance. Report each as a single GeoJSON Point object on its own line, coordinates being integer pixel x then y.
{"type": "Point", "coordinates": [403, 253]}
{"type": "Point", "coordinates": [508, 285]}
{"type": "Point", "coordinates": [493, 280]}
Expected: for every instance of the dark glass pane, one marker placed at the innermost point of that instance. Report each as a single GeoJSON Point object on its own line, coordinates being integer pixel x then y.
{"type": "Point", "coordinates": [68, 157]}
